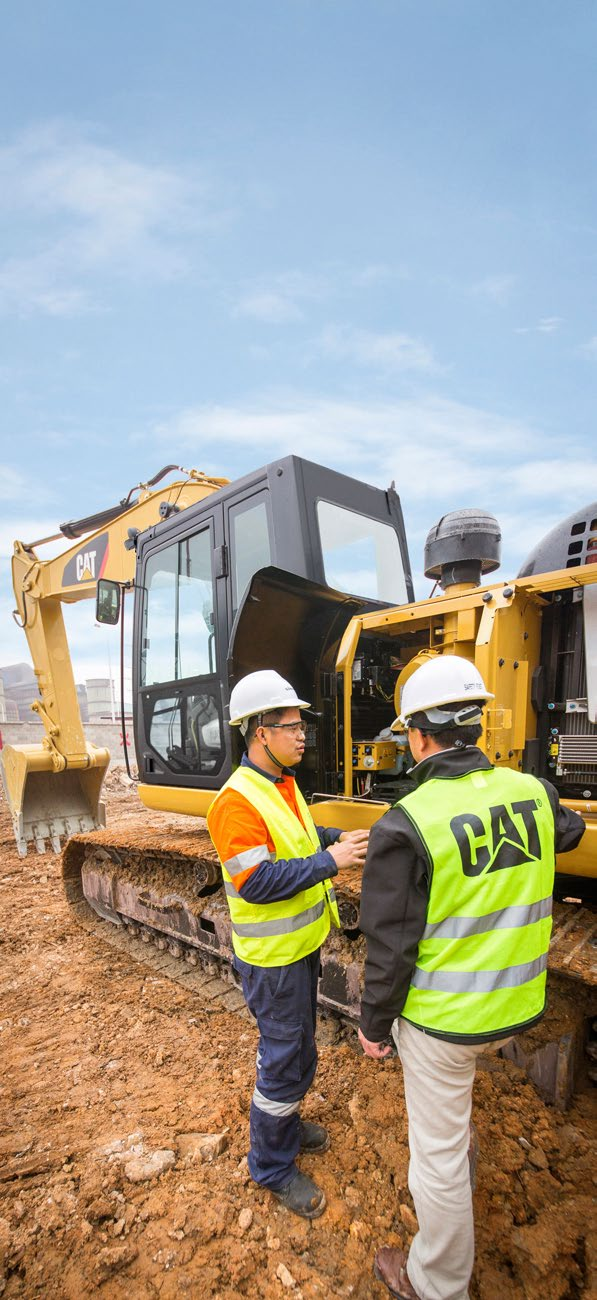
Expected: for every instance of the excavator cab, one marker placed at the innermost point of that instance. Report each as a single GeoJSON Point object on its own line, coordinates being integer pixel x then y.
{"type": "Point", "coordinates": [268, 572]}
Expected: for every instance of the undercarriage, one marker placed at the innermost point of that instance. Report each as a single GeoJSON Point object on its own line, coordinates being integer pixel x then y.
{"type": "Point", "coordinates": [161, 894]}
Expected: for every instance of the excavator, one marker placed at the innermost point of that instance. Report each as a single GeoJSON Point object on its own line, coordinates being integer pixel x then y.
{"type": "Point", "coordinates": [306, 570]}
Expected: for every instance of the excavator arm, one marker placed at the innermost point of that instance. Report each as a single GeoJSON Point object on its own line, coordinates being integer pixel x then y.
{"type": "Point", "coordinates": [53, 788]}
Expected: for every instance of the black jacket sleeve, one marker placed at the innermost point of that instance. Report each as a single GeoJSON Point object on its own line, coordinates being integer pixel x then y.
{"type": "Point", "coordinates": [394, 900]}
{"type": "Point", "coordinates": [569, 825]}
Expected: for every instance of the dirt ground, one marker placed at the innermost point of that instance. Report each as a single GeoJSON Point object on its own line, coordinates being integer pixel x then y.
{"type": "Point", "coordinates": [124, 1111]}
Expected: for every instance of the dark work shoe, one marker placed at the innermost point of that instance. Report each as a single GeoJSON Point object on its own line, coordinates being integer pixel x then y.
{"type": "Point", "coordinates": [314, 1137]}
{"type": "Point", "coordinates": [389, 1267]}
{"type": "Point", "coordinates": [302, 1196]}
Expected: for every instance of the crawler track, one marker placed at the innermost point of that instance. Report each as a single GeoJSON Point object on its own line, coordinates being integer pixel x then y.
{"type": "Point", "coordinates": [573, 948]}
{"type": "Point", "coordinates": [163, 901]}
{"type": "Point", "coordinates": [157, 895]}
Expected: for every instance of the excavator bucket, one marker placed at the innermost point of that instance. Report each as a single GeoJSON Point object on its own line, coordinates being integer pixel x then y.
{"type": "Point", "coordinates": [47, 805]}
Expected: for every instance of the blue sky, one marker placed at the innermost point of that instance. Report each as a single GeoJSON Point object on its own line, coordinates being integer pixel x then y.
{"type": "Point", "coordinates": [362, 233]}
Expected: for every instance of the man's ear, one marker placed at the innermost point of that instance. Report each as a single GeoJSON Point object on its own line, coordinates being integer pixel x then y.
{"type": "Point", "coordinates": [416, 743]}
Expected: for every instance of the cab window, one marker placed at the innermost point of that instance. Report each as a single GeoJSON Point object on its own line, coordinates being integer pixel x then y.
{"type": "Point", "coordinates": [360, 555]}
{"type": "Point", "coordinates": [179, 632]}
{"type": "Point", "coordinates": [250, 543]}
{"type": "Point", "coordinates": [180, 687]}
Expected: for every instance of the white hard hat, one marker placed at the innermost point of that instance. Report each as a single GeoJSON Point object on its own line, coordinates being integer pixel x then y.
{"type": "Point", "coordinates": [445, 680]}
{"type": "Point", "coordinates": [258, 693]}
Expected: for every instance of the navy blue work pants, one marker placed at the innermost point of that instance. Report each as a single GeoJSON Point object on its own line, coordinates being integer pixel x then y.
{"type": "Point", "coordinates": [283, 1000]}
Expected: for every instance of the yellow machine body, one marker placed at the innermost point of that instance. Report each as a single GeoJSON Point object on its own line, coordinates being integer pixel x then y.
{"type": "Point", "coordinates": [498, 628]}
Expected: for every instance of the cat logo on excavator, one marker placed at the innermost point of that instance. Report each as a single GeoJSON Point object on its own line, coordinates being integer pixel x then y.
{"type": "Point", "coordinates": [88, 564]}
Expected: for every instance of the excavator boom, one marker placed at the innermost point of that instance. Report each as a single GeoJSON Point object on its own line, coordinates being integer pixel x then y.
{"type": "Point", "coordinates": [53, 788]}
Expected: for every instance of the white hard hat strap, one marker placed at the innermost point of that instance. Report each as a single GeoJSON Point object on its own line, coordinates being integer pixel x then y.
{"type": "Point", "coordinates": [466, 716]}
{"type": "Point", "coordinates": [244, 725]}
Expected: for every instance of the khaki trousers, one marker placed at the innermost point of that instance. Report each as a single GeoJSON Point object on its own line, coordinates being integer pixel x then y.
{"type": "Point", "coordinates": [438, 1083]}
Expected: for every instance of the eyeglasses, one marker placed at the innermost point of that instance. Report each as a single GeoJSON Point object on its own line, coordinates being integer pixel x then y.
{"type": "Point", "coordinates": [295, 728]}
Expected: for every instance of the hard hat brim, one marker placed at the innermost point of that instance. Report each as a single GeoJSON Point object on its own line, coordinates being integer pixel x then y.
{"type": "Point", "coordinates": [296, 704]}
{"type": "Point", "coordinates": [404, 719]}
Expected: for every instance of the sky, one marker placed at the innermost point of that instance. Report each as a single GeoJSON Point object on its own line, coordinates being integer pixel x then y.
{"type": "Point", "coordinates": [362, 233]}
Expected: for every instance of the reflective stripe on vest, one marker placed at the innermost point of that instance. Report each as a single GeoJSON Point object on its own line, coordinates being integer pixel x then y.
{"type": "Point", "coordinates": [482, 959]}
{"type": "Point", "coordinates": [276, 934]}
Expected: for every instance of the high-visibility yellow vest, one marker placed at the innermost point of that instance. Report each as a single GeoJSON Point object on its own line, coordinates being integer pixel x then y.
{"type": "Point", "coordinates": [277, 934]}
{"type": "Point", "coordinates": [482, 960]}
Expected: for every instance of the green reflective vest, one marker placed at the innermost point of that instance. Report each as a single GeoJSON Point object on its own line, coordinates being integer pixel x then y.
{"type": "Point", "coordinates": [482, 959]}
{"type": "Point", "coordinates": [277, 934]}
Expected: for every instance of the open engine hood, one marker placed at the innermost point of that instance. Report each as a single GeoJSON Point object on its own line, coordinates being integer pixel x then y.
{"type": "Point", "coordinates": [293, 625]}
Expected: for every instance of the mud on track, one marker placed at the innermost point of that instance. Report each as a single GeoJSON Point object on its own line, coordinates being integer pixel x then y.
{"type": "Point", "coordinates": [103, 1065]}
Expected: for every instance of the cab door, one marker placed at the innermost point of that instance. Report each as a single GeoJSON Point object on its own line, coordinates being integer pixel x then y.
{"type": "Point", "coordinates": [180, 660]}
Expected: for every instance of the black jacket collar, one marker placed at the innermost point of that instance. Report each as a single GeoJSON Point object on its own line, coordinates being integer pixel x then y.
{"type": "Point", "coordinates": [450, 763]}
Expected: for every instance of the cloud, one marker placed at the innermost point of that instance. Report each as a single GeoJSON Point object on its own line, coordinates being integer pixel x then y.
{"type": "Point", "coordinates": [272, 308]}
{"type": "Point", "coordinates": [12, 484]}
{"type": "Point", "coordinates": [547, 325]}
{"type": "Point", "coordinates": [498, 288]}
{"type": "Point", "coordinates": [589, 349]}
{"type": "Point", "coordinates": [442, 454]}
{"type": "Point", "coordinates": [281, 299]}
{"type": "Point", "coordinates": [386, 352]}
{"type": "Point", "coordinates": [32, 285]}
{"type": "Point", "coordinates": [79, 209]}
{"type": "Point", "coordinates": [376, 273]}
{"type": "Point", "coordinates": [542, 477]}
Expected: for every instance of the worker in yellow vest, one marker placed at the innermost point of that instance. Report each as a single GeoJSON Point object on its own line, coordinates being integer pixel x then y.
{"type": "Point", "coordinates": [277, 868]}
{"type": "Point", "coordinates": [456, 908]}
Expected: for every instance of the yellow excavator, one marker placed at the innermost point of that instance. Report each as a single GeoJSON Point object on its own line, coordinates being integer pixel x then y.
{"type": "Point", "coordinates": [53, 789]}
{"type": "Point", "coordinates": [305, 570]}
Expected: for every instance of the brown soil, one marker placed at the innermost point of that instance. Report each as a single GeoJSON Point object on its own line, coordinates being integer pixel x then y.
{"type": "Point", "coordinates": [103, 1065]}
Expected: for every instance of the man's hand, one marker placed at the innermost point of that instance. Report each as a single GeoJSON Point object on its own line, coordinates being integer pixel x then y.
{"type": "Point", "coordinates": [350, 850]}
{"type": "Point", "coordinates": [376, 1050]}
{"type": "Point", "coordinates": [358, 837]}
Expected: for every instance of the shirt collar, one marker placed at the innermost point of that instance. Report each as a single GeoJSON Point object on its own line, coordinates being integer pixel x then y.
{"type": "Point", "coordinates": [286, 771]}
{"type": "Point", "coordinates": [446, 763]}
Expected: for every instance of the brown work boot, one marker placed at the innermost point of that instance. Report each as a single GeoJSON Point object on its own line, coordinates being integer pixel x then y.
{"type": "Point", "coordinates": [389, 1267]}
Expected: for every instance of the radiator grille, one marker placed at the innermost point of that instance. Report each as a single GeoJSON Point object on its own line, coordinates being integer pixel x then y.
{"type": "Point", "coordinates": [577, 750]}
